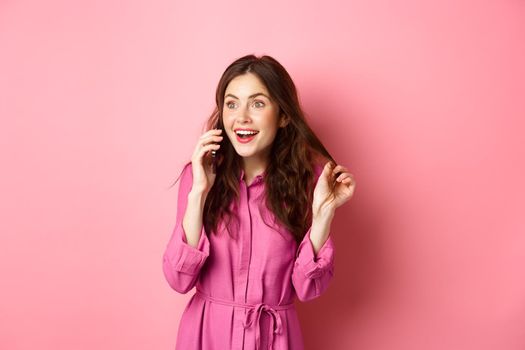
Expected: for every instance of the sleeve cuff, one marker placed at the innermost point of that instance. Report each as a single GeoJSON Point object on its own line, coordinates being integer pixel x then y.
{"type": "Point", "coordinates": [192, 258]}
{"type": "Point", "coordinates": [315, 266]}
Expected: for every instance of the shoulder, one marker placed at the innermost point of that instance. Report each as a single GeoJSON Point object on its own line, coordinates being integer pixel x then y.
{"type": "Point", "coordinates": [186, 176]}
{"type": "Point", "coordinates": [187, 170]}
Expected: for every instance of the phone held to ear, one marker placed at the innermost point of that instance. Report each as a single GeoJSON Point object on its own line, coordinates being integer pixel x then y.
{"type": "Point", "coordinates": [214, 153]}
{"type": "Point", "coordinates": [214, 161]}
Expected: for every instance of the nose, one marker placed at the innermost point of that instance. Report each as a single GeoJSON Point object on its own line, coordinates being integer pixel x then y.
{"type": "Point", "coordinates": [244, 115]}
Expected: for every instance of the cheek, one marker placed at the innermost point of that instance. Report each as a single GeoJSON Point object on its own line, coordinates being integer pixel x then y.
{"type": "Point", "coordinates": [226, 122]}
{"type": "Point", "coordinates": [271, 125]}
{"type": "Point", "coordinates": [227, 117]}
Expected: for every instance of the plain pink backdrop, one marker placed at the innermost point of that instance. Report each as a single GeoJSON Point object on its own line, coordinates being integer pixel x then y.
{"type": "Point", "coordinates": [102, 102]}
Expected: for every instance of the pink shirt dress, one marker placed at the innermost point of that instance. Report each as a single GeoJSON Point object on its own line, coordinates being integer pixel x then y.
{"type": "Point", "coordinates": [245, 288]}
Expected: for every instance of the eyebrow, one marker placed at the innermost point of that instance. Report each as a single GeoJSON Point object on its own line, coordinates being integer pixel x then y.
{"type": "Point", "coordinates": [251, 96]}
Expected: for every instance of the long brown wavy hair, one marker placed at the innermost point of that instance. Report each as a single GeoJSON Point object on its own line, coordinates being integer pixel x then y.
{"type": "Point", "coordinates": [290, 177]}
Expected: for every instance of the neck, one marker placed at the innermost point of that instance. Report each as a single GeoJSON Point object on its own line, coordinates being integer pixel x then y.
{"type": "Point", "coordinates": [253, 167]}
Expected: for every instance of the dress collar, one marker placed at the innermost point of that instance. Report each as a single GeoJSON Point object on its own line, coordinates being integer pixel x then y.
{"type": "Point", "coordinates": [257, 179]}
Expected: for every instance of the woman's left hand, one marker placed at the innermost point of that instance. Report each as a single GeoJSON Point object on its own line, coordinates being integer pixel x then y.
{"type": "Point", "coordinates": [323, 203]}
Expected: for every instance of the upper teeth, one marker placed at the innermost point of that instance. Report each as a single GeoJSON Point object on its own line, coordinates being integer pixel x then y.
{"type": "Point", "coordinates": [246, 132]}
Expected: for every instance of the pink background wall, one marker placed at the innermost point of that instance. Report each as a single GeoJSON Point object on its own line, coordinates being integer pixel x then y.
{"type": "Point", "coordinates": [102, 102]}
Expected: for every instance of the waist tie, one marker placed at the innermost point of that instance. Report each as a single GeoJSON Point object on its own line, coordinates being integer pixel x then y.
{"type": "Point", "coordinates": [254, 313]}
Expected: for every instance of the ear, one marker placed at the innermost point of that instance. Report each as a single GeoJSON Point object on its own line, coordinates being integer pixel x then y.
{"type": "Point", "coordinates": [284, 120]}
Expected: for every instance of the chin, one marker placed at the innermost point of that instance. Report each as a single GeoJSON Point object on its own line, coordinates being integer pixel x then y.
{"type": "Point", "coordinates": [245, 154]}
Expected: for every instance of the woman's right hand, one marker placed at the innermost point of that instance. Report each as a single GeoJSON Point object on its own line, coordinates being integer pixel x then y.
{"type": "Point", "coordinates": [201, 160]}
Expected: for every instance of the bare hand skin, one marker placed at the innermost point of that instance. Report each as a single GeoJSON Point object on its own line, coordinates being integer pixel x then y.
{"type": "Point", "coordinates": [203, 179]}
{"type": "Point", "coordinates": [203, 176]}
{"type": "Point", "coordinates": [324, 205]}
{"type": "Point", "coordinates": [344, 190]}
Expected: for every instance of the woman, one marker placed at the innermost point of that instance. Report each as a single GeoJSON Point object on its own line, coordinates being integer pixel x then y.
{"type": "Point", "coordinates": [253, 217]}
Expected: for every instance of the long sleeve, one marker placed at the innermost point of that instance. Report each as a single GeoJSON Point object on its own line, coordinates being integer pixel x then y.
{"type": "Point", "coordinates": [181, 262]}
{"type": "Point", "coordinates": [312, 273]}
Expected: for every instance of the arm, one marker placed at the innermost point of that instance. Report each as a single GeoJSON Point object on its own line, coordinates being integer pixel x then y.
{"type": "Point", "coordinates": [314, 263]}
{"type": "Point", "coordinates": [188, 247]}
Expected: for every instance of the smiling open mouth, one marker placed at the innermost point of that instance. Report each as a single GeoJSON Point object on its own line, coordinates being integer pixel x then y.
{"type": "Point", "coordinates": [245, 137]}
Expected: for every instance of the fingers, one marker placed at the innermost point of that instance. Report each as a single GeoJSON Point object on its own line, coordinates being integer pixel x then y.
{"type": "Point", "coordinates": [346, 179]}
{"type": "Point", "coordinates": [327, 170]}
{"type": "Point", "coordinates": [212, 146]}
{"type": "Point", "coordinates": [209, 141]}
{"type": "Point", "coordinates": [333, 170]}
{"type": "Point", "coordinates": [343, 175]}
{"type": "Point", "coordinates": [211, 133]}
{"type": "Point", "coordinates": [339, 168]}
{"type": "Point", "coordinates": [209, 138]}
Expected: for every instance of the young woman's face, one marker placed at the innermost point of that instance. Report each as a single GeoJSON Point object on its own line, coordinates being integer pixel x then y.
{"type": "Point", "coordinates": [248, 106]}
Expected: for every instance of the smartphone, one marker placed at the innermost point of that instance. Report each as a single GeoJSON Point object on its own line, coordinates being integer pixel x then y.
{"type": "Point", "coordinates": [214, 161]}
{"type": "Point", "coordinates": [215, 153]}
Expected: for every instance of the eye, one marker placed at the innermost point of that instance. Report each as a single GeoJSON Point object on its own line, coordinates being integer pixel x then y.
{"type": "Point", "coordinates": [260, 104]}
{"type": "Point", "coordinates": [229, 103]}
